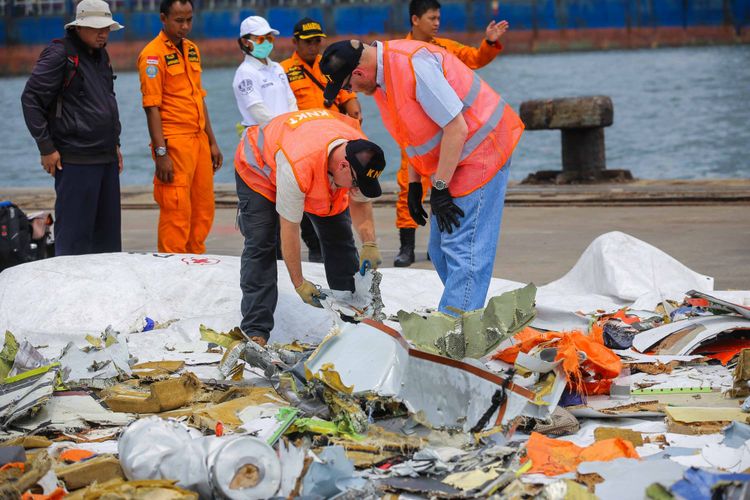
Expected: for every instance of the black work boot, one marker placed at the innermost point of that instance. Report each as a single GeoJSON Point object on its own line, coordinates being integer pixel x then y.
{"type": "Point", "coordinates": [405, 256]}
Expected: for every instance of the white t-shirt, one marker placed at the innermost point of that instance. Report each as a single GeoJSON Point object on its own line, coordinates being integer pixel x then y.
{"type": "Point", "coordinates": [255, 82]}
{"type": "Point", "coordinates": [290, 200]}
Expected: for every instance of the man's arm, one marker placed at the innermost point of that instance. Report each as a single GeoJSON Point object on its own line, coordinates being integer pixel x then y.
{"type": "Point", "coordinates": [217, 159]}
{"type": "Point", "coordinates": [39, 95]}
{"type": "Point", "coordinates": [353, 109]}
{"type": "Point", "coordinates": [362, 220]}
{"type": "Point", "coordinates": [454, 137]}
{"type": "Point", "coordinates": [164, 168]}
{"type": "Point", "coordinates": [290, 249]}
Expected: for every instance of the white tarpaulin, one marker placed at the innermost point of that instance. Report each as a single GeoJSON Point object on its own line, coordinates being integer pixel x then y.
{"type": "Point", "coordinates": [54, 301]}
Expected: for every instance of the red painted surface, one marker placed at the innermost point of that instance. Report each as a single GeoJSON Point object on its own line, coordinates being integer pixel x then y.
{"type": "Point", "coordinates": [224, 52]}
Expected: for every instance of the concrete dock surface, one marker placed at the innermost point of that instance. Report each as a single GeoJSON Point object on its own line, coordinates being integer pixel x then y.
{"type": "Point", "coordinates": [703, 224]}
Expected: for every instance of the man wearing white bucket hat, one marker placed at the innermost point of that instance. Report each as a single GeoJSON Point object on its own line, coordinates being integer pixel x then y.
{"type": "Point", "coordinates": [71, 112]}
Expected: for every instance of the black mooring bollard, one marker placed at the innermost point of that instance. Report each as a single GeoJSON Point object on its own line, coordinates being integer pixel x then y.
{"type": "Point", "coordinates": [581, 121]}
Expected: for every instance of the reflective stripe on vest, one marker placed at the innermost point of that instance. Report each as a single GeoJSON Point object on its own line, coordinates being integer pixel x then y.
{"type": "Point", "coordinates": [250, 154]}
{"type": "Point", "coordinates": [476, 139]}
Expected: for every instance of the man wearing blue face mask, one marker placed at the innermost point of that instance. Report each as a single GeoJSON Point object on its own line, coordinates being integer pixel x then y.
{"type": "Point", "coordinates": [260, 85]}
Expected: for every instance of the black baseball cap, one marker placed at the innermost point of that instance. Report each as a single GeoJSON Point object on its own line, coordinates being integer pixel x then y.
{"type": "Point", "coordinates": [337, 63]}
{"type": "Point", "coordinates": [368, 162]}
{"type": "Point", "coordinates": [308, 28]}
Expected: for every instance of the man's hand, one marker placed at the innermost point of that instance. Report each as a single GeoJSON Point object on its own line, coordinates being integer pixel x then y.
{"type": "Point", "coordinates": [369, 254]}
{"type": "Point", "coordinates": [119, 160]}
{"type": "Point", "coordinates": [51, 162]}
{"type": "Point", "coordinates": [414, 202]}
{"type": "Point", "coordinates": [309, 293]}
{"type": "Point", "coordinates": [495, 30]}
{"type": "Point", "coordinates": [445, 210]}
{"type": "Point", "coordinates": [164, 169]}
{"type": "Point", "coordinates": [217, 159]}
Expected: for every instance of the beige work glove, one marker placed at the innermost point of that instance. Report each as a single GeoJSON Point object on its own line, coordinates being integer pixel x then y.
{"type": "Point", "coordinates": [310, 294]}
{"type": "Point", "coordinates": [369, 256]}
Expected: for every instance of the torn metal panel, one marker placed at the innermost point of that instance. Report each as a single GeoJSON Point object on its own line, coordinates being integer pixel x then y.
{"type": "Point", "coordinates": [442, 392]}
{"type": "Point", "coordinates": [73, 410]}
{"type": "Point", "coordinates": [366, 302]}
{"type": "Point", "coordinates": [322, 478]}
{"type": "Point", "coordinates": [472, 334]}
{"type": "Point", "coordinates": [97, 366]}
{"type": "Point", "coordinates": [25, 396]}
{"type": "Point", "coordinates": [27, 358]}
{"type": "Point", "coordinates": [723, 304]}
{"type": "Point", "coordinates": [682, 337]}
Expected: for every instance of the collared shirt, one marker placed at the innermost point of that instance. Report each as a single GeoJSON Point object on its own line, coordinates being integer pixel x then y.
{"type": "Point", "coordinates": [433, 92]}
{"type": "Point", "coordinates": [309, 95]}
{"type": "Point", "coordinates": [474, 58]}
{"type": "Point", "coordinates": [171, 81]}
{"type": "Point", "coordinates": [255, 82]}
{"type": "Point", "coordinates": [290, 200]}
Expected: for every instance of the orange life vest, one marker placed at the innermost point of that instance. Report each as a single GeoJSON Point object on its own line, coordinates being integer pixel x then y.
{"type": "Point", "coordinates": [493, 125]}
{"type": "Point", "coordinates": [303, 137]}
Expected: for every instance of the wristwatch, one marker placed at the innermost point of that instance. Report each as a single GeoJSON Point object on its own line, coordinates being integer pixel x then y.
{"type": "Point", "coordinates": [160, 151]}
{"type": "Point", "coordinates": [439, 184]}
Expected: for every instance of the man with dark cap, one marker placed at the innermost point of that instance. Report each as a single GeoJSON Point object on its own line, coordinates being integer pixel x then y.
{"type": "Point", "coordinates": [314, 162]}
{"type": "Point", "coordinates": [303, 71]}
{"type": "Point", "coordinates": [455, 130]}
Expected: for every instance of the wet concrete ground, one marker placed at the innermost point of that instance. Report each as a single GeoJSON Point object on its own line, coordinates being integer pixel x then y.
{"type": "Point", "coordinates": [705, 225]}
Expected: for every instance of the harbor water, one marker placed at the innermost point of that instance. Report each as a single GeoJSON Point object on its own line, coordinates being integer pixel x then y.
{"type": "Point", "coordinates": [680, 113]}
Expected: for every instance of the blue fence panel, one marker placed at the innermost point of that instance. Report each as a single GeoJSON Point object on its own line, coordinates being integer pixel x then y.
{"type": "Point", "coordinates": [669, 13]}
{"type": "Point", "coordinates": [741, 13]}
{"type": "Point", "coordinates": [705, 13]}
{"type": "Point", "coordinates": [596, 13]}
{"type": "Point", "coordinates": [361, 20]}
{"type": "Point", "coordinates": [453, 17]}
{"type": "Point", "coordinates": [519, 13]}
{"type": "Point", "coordinates": [548, 16]}
{"type": "Point", "coordinates": [39, 30]}
{"type": "Point", "coordinates": [283, 19]}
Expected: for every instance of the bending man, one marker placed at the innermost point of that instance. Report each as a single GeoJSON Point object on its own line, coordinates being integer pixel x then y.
{"type": "Point", "coordinates": [314, 162]}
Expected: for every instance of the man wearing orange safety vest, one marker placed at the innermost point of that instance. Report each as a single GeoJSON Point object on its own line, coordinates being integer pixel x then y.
{"type": "Point", "coordinates": [425, 22]}
{"type": "Point", "coordinates": [314, 162]}
{"type": "Point", "coordinates": [184, 148]}
{"type": "Point", "coordinates": [457, 132]}
{"type": "Point", "coordinates": [307, 83]}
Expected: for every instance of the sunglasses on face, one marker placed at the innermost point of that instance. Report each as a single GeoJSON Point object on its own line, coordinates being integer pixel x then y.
{"type": "Point", "coordinates": [347, 85]}
{"type": "Point", "coordinates": [354, 177]}
{"type": "Point", "coordinates": [261, 38]}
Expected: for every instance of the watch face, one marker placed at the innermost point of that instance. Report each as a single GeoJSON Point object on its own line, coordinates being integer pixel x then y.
{"type": "Point", "coordinates": [439, 184]}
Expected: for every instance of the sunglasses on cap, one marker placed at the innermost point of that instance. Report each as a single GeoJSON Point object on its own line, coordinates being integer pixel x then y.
{"type": "Point", "coordinates": [260, 38]}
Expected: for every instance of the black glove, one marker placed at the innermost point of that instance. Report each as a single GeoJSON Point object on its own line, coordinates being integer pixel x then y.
{"type": "Point", "coordinates": [445, 210]}
{"type": "Point", "coordinates": [414, 202]}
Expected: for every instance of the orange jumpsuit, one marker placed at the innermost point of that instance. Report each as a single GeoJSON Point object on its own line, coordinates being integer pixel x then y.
{"type": "Point", "coordinates": [474, 58]}
{"type": "Point", "coordinates": [308, 94]}
{"type": "Point", "coordinates": [171, 80]}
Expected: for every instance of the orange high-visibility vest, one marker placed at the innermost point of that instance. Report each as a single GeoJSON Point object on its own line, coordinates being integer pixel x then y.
{"type": "Point", "coordinates": [303, 137]}
{"type": "Point", "coordinates": [487, 116]}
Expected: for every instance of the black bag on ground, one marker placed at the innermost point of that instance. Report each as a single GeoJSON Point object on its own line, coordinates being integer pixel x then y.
{"type": "Point", "coordinates": [15, 236]}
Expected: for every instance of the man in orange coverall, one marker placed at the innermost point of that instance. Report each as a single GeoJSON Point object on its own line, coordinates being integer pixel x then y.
{"type": "Point", "coordinates": [307, 82]}
{"type": "Point", "coordinates": [425, 21]}
{"type": "Point", "coordinates": [185, 151]}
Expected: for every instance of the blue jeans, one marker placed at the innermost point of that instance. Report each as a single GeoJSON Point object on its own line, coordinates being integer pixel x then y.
{"type": "Point", "coordinates": [464, 259]}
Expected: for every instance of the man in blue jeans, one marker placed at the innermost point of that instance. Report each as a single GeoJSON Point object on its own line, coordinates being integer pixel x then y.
{"type": "Point", "coordinates": [71, 112]}
{"type": "Point", "coordinates": [456, 131]}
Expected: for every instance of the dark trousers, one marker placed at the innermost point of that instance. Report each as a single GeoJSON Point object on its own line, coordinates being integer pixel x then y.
{"type": "Point", "coordinates": [87, 209]}
{"type": "Point", "coordinates": [258, 222]}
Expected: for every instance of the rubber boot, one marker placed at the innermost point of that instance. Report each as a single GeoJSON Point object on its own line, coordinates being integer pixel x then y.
{"type": "Point", "coordinates": [405, 256]}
